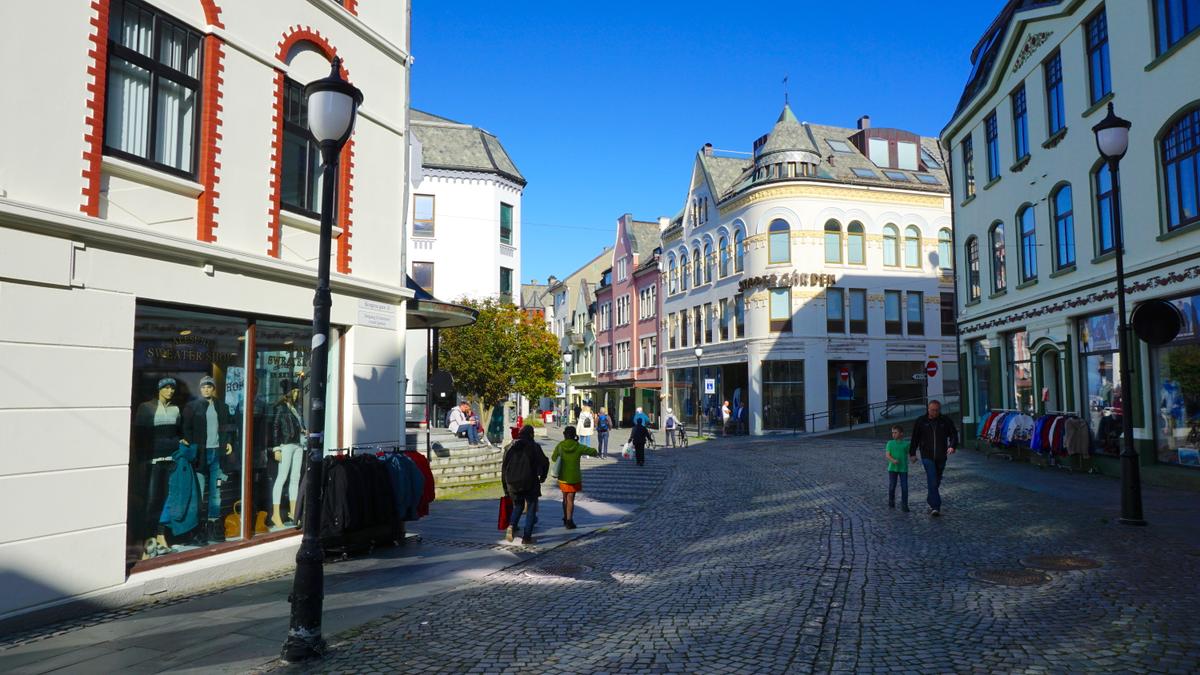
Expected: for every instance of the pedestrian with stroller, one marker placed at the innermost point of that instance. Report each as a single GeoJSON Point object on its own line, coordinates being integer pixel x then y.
{"type": "Point", "coordinates": [522, 473]}
{"type": "Point", "coordinates": [570, 475]}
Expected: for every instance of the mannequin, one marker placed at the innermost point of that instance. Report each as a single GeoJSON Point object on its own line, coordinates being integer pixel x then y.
{"type": "Point", "coordinates": [158, 427]}
{"type": "Point", "coordinates": [207, 427]}
{"type": "Point", "coordinates": [287, 438]}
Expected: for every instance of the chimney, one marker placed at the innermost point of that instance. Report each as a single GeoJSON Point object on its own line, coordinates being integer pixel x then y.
{"type": "Point", "coordinates": [707, 150]}
{"type": "Point", "coordinates": [864, 122]}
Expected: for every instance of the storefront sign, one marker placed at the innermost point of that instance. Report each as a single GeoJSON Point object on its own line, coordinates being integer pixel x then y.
{"type": "Point", "coordinates": [710, 385]}
{"type": "Point", "coordinates": [788, 279]}
{"type": "Point", "coordinates": [376, 314]}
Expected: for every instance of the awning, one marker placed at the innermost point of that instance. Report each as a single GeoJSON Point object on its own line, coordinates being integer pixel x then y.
{"type": "Point", "coordinates": [424, 311]}
{"type": "Point", "coordinates": [648, 385]}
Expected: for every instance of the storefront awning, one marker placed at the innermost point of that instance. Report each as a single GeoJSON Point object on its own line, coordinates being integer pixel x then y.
{"type": "Point", "coordinates": [424, 311]}
{"type": "Point", "coordinates": [648, 385]}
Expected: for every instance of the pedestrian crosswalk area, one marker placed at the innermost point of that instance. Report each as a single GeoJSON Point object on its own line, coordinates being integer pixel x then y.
{"type": "Point", "coordinates": [622, 481]}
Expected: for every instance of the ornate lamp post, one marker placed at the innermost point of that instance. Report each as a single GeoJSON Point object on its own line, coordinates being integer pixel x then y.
{"type": "Point", "coordinates": [699, 391]}
{"type": "Point", "coordinates": [332, 107]}
{"type": "Point", "coordinates": [1112, 140]}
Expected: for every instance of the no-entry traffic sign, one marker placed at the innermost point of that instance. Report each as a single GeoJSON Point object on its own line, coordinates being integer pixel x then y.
{"type": "Point", "coordinates": [931, 368]}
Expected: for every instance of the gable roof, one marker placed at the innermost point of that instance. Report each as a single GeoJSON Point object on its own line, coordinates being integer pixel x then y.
{"type": "Point", "coordinates": [724, 172]}
{"type": "Point", "coordinates": [446, 144]}
{"type": "Point", "coordinates": [643, 238]}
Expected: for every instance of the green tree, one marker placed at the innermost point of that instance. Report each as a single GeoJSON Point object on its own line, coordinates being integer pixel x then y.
{"type": "Point", "coordinates": [503, 352]}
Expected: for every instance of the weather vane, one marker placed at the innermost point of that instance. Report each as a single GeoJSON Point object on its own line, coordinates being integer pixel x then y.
{"type": "Point", "coordinates": [785, 89]}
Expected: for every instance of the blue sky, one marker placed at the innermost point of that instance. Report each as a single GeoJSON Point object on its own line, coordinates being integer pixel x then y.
{"type": "Point", "coordinates": [603, 105]}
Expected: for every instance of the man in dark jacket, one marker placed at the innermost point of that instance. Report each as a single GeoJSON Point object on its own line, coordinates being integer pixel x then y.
{"type": "Point", "coordinates": [936, 438]}
{"type": "Point", "coordinates": [522, 472]}
{"type": "Point", "coordinates": [208, 429]}
{"type": "Point", "coordinates": [638, 437]}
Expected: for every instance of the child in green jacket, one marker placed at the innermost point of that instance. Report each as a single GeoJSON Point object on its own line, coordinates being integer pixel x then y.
{"type": "Point", "coordinates": [897, 456]}
{"type": "Point", "coordinates": [570, 477]}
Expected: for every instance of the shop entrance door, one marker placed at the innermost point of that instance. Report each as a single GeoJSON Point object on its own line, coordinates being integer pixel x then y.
{"type": "Point", "coordinates": [847, 393]}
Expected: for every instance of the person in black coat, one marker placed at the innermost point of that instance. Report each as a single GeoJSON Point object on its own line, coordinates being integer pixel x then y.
{"type": "Point", "coordinates": [639, 436]}
{"type": "Point", "coordinates": [936, 438]}
{"type": "Point", "coordinates": [208, 428]}
{"type": "Point", "coordinates": [522, 473]}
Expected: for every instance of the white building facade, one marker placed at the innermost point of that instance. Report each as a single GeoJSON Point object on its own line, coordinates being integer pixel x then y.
{"type": "Point", "coordinates": [464, 229]}
{"type": "Point", "coordinates": [158, 244]}
{"type": "Point", "coordinates": [1034, 208]}
{"type": "Point", "coordinates": [814, 277]}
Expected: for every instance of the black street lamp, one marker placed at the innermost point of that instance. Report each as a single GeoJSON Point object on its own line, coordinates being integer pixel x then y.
{"type": "Point", "coordinates": [1112, 139]}
{"type": "Point", "coordinates": [332, 107]}
{"type": "Point", "coordinates": [699, 391]}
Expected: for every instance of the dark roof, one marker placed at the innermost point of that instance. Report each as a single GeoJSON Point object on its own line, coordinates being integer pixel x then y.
{"type": "Point", "coordinates": [643, 238]}
{"type": "Point", "coordinates": [446, 144]}
{"type": "Point", "coordinates": [987, 50]}
{"type": "Point", "coordinates": [788, 134]}
{"type": "Point", "coordinates": [532, 294]}
{"type": "Point", "coordinates": [724, 172]}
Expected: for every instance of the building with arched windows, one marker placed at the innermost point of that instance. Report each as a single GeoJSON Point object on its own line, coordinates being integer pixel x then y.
{"type": "Point", "coordinates": [159, 200]}
{"type": "Point", "coordinates": [814, 276]}
{"type": "Point", "coordinates": [1033, 211]}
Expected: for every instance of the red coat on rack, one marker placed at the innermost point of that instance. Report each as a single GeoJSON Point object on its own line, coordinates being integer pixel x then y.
{"type": "Point", "coordinates": [428, 494]}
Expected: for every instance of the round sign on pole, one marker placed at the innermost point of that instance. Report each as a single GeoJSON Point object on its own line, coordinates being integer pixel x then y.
{"type": "Point", "coordinates": [844, 373]}
{"type": "Point", "coordinates": [931, 368]}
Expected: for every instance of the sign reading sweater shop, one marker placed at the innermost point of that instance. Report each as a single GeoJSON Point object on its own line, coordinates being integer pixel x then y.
{"type": "Point", "coordinates": [788, 279]}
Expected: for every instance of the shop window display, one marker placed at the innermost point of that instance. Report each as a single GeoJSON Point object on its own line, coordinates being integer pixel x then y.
{"type": "Point", "coordinates": [981, 364]}
{"type": "Point", "coordinates": [186, 450]}
{"type": "Point", "coordinates": [783, 394]}
{"type": "Point", "coordinates": [1020, 365]}
{"type": "Point", "coordinates": [1100, 363]}
{"type": "Point", "coordinates": [1177, 389]}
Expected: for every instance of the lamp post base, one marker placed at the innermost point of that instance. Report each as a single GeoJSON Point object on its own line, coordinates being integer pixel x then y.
{"type": "Point", "coordinates": [1132, 521]}
{"type": "Point", "coordinates": [299, 648]}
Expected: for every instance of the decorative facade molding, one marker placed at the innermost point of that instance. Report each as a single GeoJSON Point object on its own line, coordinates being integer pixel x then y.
{"type": "Point", "coordinates": [93, 136]}
{"type": "Point", "coordinates": [1032, 43]}
{"type": "Point", "coordinates": [833, 192]}
{"type": "Point", "coordinates": [210, 133]}
{"type": "Point", "coordinates": [1106, 296]}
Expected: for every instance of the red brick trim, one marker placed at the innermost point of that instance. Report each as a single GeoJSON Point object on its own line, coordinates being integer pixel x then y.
{"type": "Point", "coordinates": [351, 6]}
{"type": "Point", "coordinates": [273, 234]}
{"type": "Point", "coordinates": [297, 34]}
{"type": "Point", "coordinates": [93, 134]}
{"type": "Point", "coordinates": [345, 201]}
{"type": "Point", "coordinates": [212, 13]}
{"type": "Point", "coordinates": [345, 198]}
{"type": "Point", "coordinates": [210, 137]}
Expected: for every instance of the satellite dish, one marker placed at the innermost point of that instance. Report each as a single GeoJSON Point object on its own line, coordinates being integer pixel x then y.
{"type": "Point", "coordinates": [1157, 322]}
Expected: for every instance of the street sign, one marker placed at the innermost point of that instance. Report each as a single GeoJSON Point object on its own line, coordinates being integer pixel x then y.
{"type": "Point", "coordinates": [919, 377]}
{"type": "Point", "coordinates": [710, 385]}
{"type": "Point", "coordinates": [931, 368]}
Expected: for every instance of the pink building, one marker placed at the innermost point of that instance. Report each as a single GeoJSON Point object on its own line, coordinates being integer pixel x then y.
{"type": "Point", "coordinates": [628, 309]}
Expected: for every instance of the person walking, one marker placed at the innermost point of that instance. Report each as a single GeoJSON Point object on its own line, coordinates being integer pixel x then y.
{"type": "Point", "coordinates": [638, 437]}
{"type": "Point", "coordinates": [570, 476]}
{"type": "Point", "coordinates": [603, 426]}
{"type": "Point", "coordinates": [897, 457]}
{"type": "Point", "coordinates": [671, 424]}
{"type": "Point", "coordinates": [726, 418]}
{"type": "Point", "coordinates": [522, 473]}
{"type": "Point", "coordinates": [587, 425]}
{"type": "Point", "coordinates": [935, 438]}
{"type": "Point", "coordinates": [640, 414]}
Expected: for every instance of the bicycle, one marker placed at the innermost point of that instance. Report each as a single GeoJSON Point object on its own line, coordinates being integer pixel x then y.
{"type": "Point", "coordinates": [681, 436]}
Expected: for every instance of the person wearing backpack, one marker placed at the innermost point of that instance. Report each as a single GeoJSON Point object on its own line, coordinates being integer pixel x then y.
{"type": "Point", "coordinates": [587, 424]}
{"type": "Point", "coordinates": [671, 423]}
{"type": "Point", "coordinates": [522, 473]}
{"type": "Point", "coordinates": [603, 426]}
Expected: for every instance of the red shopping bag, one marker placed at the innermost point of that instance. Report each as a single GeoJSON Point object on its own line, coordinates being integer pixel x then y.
{"type": "Point", "coordinates": [506, 509]}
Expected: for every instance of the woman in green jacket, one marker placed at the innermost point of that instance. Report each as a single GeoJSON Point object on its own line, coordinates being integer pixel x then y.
{"type": "Point", "coordinates": [570, 477]}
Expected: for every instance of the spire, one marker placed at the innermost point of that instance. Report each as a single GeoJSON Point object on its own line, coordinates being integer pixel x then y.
{"type": "Point", "coordinates": [787, 115]}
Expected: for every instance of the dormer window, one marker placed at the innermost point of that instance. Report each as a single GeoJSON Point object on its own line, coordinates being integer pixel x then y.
{"type": "Point", "coordinates": [877, 151]}
{"type": "Point", "coordinates": [906, 155]}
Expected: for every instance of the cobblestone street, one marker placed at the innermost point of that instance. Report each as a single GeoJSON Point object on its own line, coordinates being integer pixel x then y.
{"type": "Point", "coordinates": [782, 556]}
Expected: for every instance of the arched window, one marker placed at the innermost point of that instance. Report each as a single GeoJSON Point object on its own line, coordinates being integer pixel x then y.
{"type": "Point", "coordinates": [891, 245]}
{"type": "Point", "coordinates": [833, 242]}
{"type": "Point", "coordinates": [856, 246]}
{"type": "Point", "coordinates": [697, 267]}
{"type": "Point", "coordinates": [1027, 220]}
{"type": "Point", "coordinates": [912, 246]}
{"type": "Point", "coordinates": [945, 250]}
{"type": "Point", "coordinates": [999, 261]}
{"type": "Point", "coordinates": [973, 289]}
{"type": "Point", "coordinates": [739, 253]}
{"type": "Point", "coordinates": [683, 271]}
{"type": "Point", "coordinates": [672, 275]}
{"type": "Point", "coordinates": [708, 262]}
{"type": "Point", "coordinates": [779, 247]}
{"type": "Point", "coordinates": [1064, 227]}
{"type": "Point", "coordinates": [1181, 167]}
{"type": "Point", "coordinates": [723, 247]}
{"type": "Point", "coordinates": [1106, 192]}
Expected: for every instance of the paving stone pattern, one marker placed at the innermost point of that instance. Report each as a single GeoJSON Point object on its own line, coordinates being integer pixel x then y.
{"type": "Point", "coordinates": [782, 556]}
